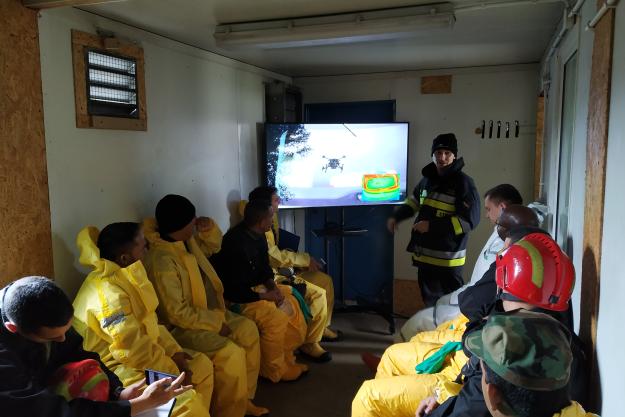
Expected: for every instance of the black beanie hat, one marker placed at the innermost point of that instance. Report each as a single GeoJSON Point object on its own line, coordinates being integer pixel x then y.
{"type": "Point", "coordinates": [445, 141]}
{"type": "Point", "coordinates": [173, 213]}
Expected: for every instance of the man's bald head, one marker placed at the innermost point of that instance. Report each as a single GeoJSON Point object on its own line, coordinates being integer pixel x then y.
{"type": "Point", "coordinates": [515, 215]}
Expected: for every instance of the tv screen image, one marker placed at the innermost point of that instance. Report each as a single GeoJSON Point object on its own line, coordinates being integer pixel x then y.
{"type": "Point", "coordinates": [325, 165]}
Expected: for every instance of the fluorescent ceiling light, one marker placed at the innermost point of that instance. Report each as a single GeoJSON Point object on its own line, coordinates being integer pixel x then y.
{"type": "Point", "coordinates": [336, 29]}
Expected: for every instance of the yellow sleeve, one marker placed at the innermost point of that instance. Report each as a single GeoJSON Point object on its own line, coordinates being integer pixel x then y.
{"type": "Point", "coordinates": [210, 241]}
{"type": "Point", "coordinates": [167, 341]}
{"type": "Point", "coordinates": [129, 343]}
{"type": "Point", "coordinates": [446, 389]}
{"type": "Point", "coordinates": [286, 258]}
{"type": "Point", "coordinates": [177, 309]}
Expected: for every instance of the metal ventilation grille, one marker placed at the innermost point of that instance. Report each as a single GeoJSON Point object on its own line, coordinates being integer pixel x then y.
{"type": "Point", "coordinates": [111, 85]}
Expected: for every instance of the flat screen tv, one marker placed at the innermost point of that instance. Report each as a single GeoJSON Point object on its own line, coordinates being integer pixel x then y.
{"type": "Point", "coordinates": [329, 165]}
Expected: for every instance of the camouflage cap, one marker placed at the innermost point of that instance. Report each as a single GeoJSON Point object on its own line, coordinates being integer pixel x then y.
{"type": "Point", "coordinates": [528, 349]}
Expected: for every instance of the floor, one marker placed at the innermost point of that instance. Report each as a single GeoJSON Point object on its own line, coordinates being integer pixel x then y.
{"type": "Point", "coordinates": [327, 390]}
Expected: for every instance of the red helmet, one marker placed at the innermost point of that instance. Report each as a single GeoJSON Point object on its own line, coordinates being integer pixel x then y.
{"type": "Point", "coordinates": [535, 270]}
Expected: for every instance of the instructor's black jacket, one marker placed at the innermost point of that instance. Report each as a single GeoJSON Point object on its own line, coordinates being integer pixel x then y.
{"type": "Point", "coordinates": [451, 204]}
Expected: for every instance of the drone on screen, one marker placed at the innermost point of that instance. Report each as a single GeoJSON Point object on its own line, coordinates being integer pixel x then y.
{"type": "Point", "coordinates": [333, 163]}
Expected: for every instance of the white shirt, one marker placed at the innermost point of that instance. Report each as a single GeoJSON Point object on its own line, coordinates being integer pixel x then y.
{"type": "Point", "coordinates": [487, 256]}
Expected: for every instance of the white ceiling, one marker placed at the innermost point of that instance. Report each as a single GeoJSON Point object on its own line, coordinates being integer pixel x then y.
{"type": "Point", "coordinates": [511, 34]}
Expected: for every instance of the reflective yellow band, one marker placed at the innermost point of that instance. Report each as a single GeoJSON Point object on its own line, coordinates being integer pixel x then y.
{"type": "Point", "coordinates": [439, 205]}
{"type": "Point", "coordinates": [413, 204]}
{"type": "Point", "coordinates": [438, 262]}
{"type": "Point", "coordinates": [456, 223]}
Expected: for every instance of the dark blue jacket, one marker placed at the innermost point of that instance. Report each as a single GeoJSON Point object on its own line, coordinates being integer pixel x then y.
{"type": "Point", "coordinates": [451, 204]}
{"type": "Point", "coordinates": [25, 368]}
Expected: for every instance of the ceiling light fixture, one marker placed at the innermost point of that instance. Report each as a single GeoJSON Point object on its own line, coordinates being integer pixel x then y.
{"type": "Point", "coordinates": [342, 28]}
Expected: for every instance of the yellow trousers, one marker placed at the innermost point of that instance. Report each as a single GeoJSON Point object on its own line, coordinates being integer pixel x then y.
{"type": "Point", "coordinates": [397, 389]}
{"type": "Point", "coordinates": [401, 358]}
{"type": "Point", "coordinates": [282, 330]}
{"type": "Point", "coordinates": [236, 362]}
{"type": "Point", "coordinates": [193, 403]}
{"type": "Point", "coordinates": [316, 300]}
{"type": "Point", "coordinates": [324, 281]}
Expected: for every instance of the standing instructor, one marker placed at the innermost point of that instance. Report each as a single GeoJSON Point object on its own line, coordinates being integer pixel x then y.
{"type": "Point", "coordinates": [447, 206]}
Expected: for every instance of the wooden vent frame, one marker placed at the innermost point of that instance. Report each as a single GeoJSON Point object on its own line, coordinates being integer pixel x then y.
{"type": "Point", "coordinates": [82, 41]}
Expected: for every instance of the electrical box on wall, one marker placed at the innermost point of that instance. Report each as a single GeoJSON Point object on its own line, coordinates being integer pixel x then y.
{"type": "Point", "coordinates": [283, 103]}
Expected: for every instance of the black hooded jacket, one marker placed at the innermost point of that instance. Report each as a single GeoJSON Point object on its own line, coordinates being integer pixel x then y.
{"type": "Point", "coordinates": [25, 368]}
{"type": "Point", "coordinates": [451, 204]}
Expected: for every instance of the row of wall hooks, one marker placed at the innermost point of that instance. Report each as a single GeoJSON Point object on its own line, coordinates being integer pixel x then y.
{"type": "Point", "coordinates": [498, 129]}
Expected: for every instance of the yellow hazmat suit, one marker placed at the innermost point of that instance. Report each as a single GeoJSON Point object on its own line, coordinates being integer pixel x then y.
{"type": "Point", "coordinates": [282, 330]}
{"type": "Point", "coordinates": [115, 313]}
{"type": "Point", "coordinates": [279, 258]}
{"type": "Point", "coordinates": [574, 410]}
{"type": "Point", "coordinates": [192, 306]}
{"type": "Point", "coordinates": [319, 294]}
{"type": "Point", "coordinates": [397, 389]}
{"type": "Point", "coordinates": [315, 297]}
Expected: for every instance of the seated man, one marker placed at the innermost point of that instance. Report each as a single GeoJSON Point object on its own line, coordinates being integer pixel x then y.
{"type": "Point", "coordinates": [532, 274]}
{"type": "Point", "coordinates": [191, 303]}
{"type": "Point", "coordinates": [514, 223]}
{"type": "Point", "coordinates": [36, 339]}
{"type": "Point", "coordinates": [446, 308]}
{"type": "Point", "coordinates": [400, 395]}
{"type": "Point", "coordinates": [401, 358]}
{"type": "Point", "coordinates": [512, 383]}
{"type": "Point", "coordinates": [307, 267]}
{"type": "Point", "coordinates": [115, 313]}
{"type": "Point", "coordinates": [243, 266]}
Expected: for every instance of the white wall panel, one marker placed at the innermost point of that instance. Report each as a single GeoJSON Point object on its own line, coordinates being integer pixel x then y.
{"type": "Point", "coordinates": [201, 141]}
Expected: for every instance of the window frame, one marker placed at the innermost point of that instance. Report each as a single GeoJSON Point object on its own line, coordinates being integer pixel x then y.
{"type": "Point", "coordinates": [81, 43]}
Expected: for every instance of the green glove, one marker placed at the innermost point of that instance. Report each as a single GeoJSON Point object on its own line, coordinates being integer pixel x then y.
{"type": "Point", "coordinates": [302, 304]}
{"type": "Point", "coordinates": [434, 363]}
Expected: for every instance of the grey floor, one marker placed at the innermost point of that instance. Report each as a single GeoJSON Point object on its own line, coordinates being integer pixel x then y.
{"type": "Point", "coordinates": [327, 390]}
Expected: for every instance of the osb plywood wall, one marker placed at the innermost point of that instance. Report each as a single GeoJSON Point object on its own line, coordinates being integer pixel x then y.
{"type": "Point", "coordinates": [25, 239]}
{"type": "Point", "coordinates": [406, 297]}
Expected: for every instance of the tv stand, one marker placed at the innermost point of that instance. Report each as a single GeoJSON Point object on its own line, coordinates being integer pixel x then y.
{"type": "Point", "coordinates": [339, 231]}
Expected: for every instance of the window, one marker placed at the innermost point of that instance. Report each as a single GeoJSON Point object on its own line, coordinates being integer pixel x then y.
{"type": "Point", "coordinates": [108, 83]}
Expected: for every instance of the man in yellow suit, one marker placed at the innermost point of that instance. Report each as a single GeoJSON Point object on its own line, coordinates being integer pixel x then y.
{"type": "Point", "coordinates": [193, 307]}
{"type": "Point", "coordinates": [307, 267]}
{"type": "Point", "coordinates": [115, 313]}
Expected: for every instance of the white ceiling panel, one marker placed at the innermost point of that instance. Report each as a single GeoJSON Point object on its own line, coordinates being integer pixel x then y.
{"type": "Point", "coordinates": [516, 33]}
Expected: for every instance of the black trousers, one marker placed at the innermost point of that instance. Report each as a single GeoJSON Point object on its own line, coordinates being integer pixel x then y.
{"type": "Point", "coordinates": [436, 281]}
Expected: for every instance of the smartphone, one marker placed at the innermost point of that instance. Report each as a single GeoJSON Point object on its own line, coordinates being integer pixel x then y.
{"type": "Point", "coordinates": [152, 376]}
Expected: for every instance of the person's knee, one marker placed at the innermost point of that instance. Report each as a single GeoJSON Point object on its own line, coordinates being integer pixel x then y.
{"type": "Point", "coordinates": [361, 404]}
{"type": "Point", "coordinates": [245, 333]}
{"type": "Point", "coordinates": [230, 354]}
{"type": "Point", "coordinates": [273, 319]}
{"type": "Point", "coordinates": [201, 366]}
{"type": "Point", "coordinates": [265, 314]}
